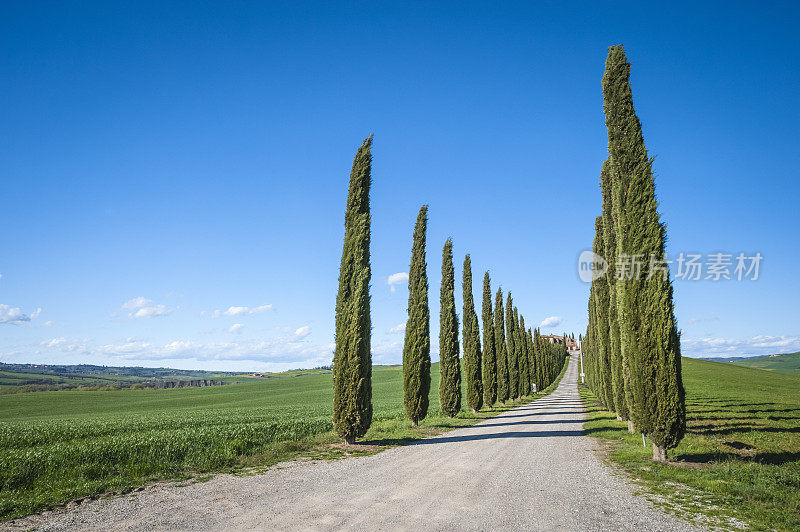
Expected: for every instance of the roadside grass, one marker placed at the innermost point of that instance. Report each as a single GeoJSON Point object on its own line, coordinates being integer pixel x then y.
{"type": "Point", "coordinates": [740, 459]}
{"type": "Point", "coordinates": [57, 447]}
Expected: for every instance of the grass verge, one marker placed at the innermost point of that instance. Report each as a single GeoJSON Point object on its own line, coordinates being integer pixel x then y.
{"type": "Point", "coordinates": [739, 463]}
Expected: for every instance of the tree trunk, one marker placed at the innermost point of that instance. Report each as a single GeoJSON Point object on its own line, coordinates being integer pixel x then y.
{"type": "Point", "coordinates": [630, 427]}
{"type": "Point", "coordinates": [414, 423]}
{"type": "Point", "coordinates": [350, 440]}
{"type": "Point", "coordinates": [619, 418]}
{"type": "Point", "coordinates": [474, 411]}
{"type": "Point", "coordinates": [659, 453]}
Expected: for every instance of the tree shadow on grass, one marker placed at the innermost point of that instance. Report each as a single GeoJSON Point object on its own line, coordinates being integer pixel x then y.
{"type": "Point", "coordinates": [767, 458]}
{"type": "Point", "coordinates": [723, 430]}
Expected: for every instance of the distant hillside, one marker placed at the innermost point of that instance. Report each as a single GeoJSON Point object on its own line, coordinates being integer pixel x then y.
{"type": "Point", "coordinates": [785, 363]}
{"type": "Point", "coordinates": [729, 359]}
{"type": "Point", "coordinates": [15, 378]}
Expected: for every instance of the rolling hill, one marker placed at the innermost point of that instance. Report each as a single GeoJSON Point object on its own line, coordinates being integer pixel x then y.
{"type": "Point", "coordinates": [784, 363]}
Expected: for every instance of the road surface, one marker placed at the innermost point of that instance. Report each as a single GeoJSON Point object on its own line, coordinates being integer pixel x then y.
{"type": "Point", "coordinates": [531, 468]}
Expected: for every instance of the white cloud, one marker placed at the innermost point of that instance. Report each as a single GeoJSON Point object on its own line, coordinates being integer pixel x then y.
{"type": "Point", "coordinates": [241, 311]}
{"type": "Point", "coordinates": [550, 322]}
{"type": "Point", "coordinates": [302, 332]}
{"type": "Point", "coordinates": [387, 352]}
{"type": "Point", "coordinates": [136, 302]}
{"type": "Point", "coordinates": [755, 345]}
{"type": "Point", "coordinates": [151, 311]}
{"type": "Point", "coordinates": [400, 327]}
{"type": "Point", "coordinates": [277, 353]}
{"type": "Point", "coordinates": [142, 307]}
{"type": "Point", "coordinates": [396, 279]}
{"type": "Point", "coordinates": [236, 328]}
{"type": "Point", "coordinates": [63, 344]}
{"type": "Point", "coordinates": [48, 323]}
{"type": "Point", "coordinates": [14, 315]}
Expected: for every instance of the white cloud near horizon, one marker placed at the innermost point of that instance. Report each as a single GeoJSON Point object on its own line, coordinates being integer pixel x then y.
{"type": "Point", "coordinates": [396, 279]}
{"type": "Point", "coordinates": [725, 347]}
{"type": "Point", "coordinates": [302, 332]}
{"type": "Point", "coordinates": [550, 322]}
{"type": "Point", "coordinates": [141, 307]}
{"type": "Point", "coordinates": [282, 352]}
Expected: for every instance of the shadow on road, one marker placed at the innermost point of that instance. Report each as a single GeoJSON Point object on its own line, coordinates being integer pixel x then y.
{"type": "Point", "coordinates": [500, 435]}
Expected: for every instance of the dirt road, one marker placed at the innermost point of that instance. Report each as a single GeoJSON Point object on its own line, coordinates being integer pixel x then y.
{"type": "Point", "coordinates": [527, 469]}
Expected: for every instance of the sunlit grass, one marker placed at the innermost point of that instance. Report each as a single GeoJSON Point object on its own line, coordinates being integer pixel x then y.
{"type": "Point", "coordinates": [740, 459]}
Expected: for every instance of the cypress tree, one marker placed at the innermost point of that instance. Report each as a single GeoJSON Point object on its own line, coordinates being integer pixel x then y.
{"type": "Point", "coordinates": [602, 350]}
{"type": "Point", "coordinates": [417, 346]}
{"type": "Point", "coordinates": [489, 352]}
{"type": "Point", "coordinates": [537, 355]}
{"type": "Point", "coordinates": [472, 341]}
{"type": "Point", "coordinates": [609, 241]}
{"type": "Point", "coordinates": [649, 338]}
{"type": "Point", "coordinates": [511, 349]}
{"type": "Point", "coordinates": [524, 372]}
{"type": "Point", "coordinates": [518, 354]}
{"type": "Point", "coordinates": [500, 348]}
{"type": "Point", "coordinates": [532, 358]}
{"type": "Point", "coordinates": [449, 363]}
{"type": "Point", "coordinates": [352, 358]}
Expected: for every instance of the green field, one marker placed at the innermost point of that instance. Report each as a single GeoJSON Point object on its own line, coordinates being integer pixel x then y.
{"type": "Point", "coordinates": [740, 459]}
{"type": "Point", "coordinates": [786, 363]}
{"type": "Point", "coordinates": [61, 445]}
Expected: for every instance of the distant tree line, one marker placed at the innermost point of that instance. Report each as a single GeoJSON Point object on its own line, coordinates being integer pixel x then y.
{"type": "Point", "coordinates": [631, 349]}
{"type": "Point", "coordinates": [510, 363]}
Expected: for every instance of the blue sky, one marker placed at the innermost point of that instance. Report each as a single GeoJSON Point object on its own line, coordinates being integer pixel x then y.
{"type": "Point", "coordinates": [174, 173]}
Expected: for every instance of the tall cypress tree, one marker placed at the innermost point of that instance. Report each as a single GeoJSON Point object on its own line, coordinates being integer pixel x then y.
{"type": "Point", "coordinates": [649, 336]}
{"type": "Point", "coordinates": [524, 361]}
{"type": "Point", "coordinates": [601, 324]}
{"type": "Point", "coordinates": [489, 353]}
{"type": "Point", "coordinates": [472, 341]}
{"type": "Point", "coordinates": [500, 348]}
{"type": "Point", "coordinates": [449, 363]}
{"type": "Point", "coordinates": [352, 358]}
{"type": "Point", "coordinates": [609, 241]}
{"type": "Point", "coordinates": [511, 349]}
{"type": "Point", "coordinates": [417, 346]}
{"type": "Point", "coordinates": [532, 358]}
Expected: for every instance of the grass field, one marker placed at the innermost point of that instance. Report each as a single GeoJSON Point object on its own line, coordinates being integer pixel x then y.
{"type": "Point", "coordinates": [62, 445]}
{"type": "Point", "coordinates": [740, 459]}
{"type": "Point", "coordinates": [786, 363]}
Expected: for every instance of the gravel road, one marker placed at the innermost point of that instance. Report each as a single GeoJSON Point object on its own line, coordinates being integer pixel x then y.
{"type": "Point", "coordinates": [527, 469]}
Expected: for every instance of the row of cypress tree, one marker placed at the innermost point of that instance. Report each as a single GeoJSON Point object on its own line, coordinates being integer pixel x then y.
{"type": "Point", "coordinates": [505, 367]}
{"type": "Point", "coordinates": [511, 360]}
{"type": "Point", "coordinates": [632, 345]}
